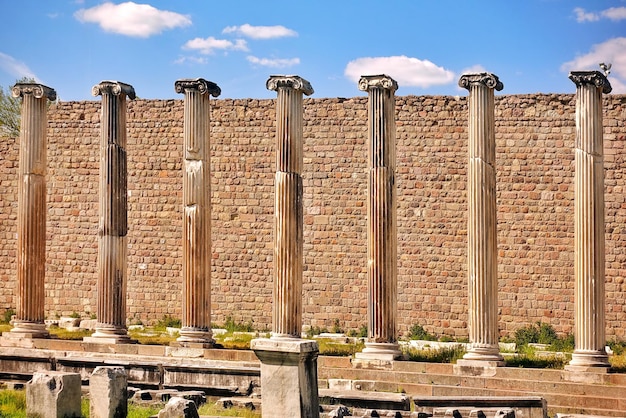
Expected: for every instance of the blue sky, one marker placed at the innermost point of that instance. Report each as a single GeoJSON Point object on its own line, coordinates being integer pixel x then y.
{"type": "Point", "coordinates": [531, 45]}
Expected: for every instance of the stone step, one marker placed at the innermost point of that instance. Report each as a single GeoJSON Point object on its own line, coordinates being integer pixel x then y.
{"type": "Point", "coordinates": [365, 400]}
{"type": "Point", "coordinates": [556, 402]}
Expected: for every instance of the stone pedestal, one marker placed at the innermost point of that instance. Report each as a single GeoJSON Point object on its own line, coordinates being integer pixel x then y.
{"type": "Point", "coordinates": [381, 220]}
{"type": "Point", "coordinates": [482, 248]}
{"type": "Point", "coordinates": [53, 394]}
{"type": "Point", "coordinates": [107, 393]}
{"type": "Point", "coordinates": [31, 217]}
{"type": "Point", "coordinates": [288, 212]}
{"type": "Point", "coordinates": [589, 257]}
{"type": "Point", "coordinates": [196, 320]}
{"type": "Point", "coordinates": [288, 377]}
{"type": "Point", "coordinates": [113, 226]}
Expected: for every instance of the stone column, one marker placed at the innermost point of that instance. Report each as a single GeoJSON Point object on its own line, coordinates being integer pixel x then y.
{"type": "Point", "coordinates": [381, 220]}
{"type": "Point", "coordinates": [31, 218]}
{"type": "Point", "coordinates": [589, 322]}
{"type": "Point", "coordinates": [196, 321]}
{"type": "Point", "coordinates": [482, 248]}
{"type": "Point", "coordinates": [113, 227]}
{"type": "Point", "coordinates": [288, 212]}
{"type": "Point", "coordinates": [288, 363]}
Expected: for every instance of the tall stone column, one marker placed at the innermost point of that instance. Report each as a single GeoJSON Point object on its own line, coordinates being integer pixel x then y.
{"type": "Point", "coordinates": [113, 226]}
{"type": "Point", "coordinates": [288, 363]}
{"type": "Point", "coordinates": [196, 321]}
{"type": "Point", "coordinates": [31, 218]}
{"type": "Point", "coordinates": [288, 212]}
{"type": "Point", "coordinates": [482, 248]}
{"type": "Point", "coordinates": [589, 322]}
{"type": "Point", "coordinates": [381, 220]}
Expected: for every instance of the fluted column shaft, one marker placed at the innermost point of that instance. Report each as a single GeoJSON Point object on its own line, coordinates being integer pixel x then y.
{"type": "Point", "coordinates": [589, 256]}
{"type": "Point", "coordinates": [31, 219]}
{"type": "Point", "coordinates": [381, 216]}
{"type": "Point", "coordinates": [196, 320]}
{"type": "Point", "coordinates": [288, 212]}
{"type": "Point", "coordinates": [482, 219]}
{"type": "Point", "coordinates": [113, 226]}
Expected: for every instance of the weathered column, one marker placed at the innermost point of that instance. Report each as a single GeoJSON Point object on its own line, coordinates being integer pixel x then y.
{"type": "Point", "coordinates": [113, 227]}
{"type": "Point", "coordinates": [288, 363]}
{"type": "Point", "coordinates": [288, 212]}
{"type": "Point", "coordinates": [381, 219]}
{"type": "Point", "coordinates": [31, 218]}
{"type": "Point", "coordinates": [589, 322]}
{"type": "Point", "coordinates": [196, 321]}
{"type": "Point", "coordinates": [482, 248]}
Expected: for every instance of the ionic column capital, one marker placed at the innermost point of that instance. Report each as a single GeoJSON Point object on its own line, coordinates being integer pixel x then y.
{"type": "Point", "coordinates": [487, 79]}
{"type": "Point", "coordinates": [115, 88]}
{"type": "Point", "coordinates": [37, 90]}
{"type": "Point", "coordinates": [200, 85]}
{"type": "Point", "coordinates": [381, 81]}
{"type": "Point", "coordinates": [294, 82]}
{"type": "Point", "coordinates": [581, 78]}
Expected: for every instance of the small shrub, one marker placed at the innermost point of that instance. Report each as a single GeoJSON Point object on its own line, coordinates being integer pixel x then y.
{"type": "Point", "coordinates": [441, 355]}
{"type": "Point", "coordinates": [546, 334]}
{"type": "Point", "coordinates": [526, 335]}
{"type": "Point", "coordinates": [360, 333]}
{"type": "Point", "coordinates": [315, 330]}
{"type": "Point", "coordinates": [417, 332]}
{"type": "Point", "coordinates": [336, 329]}
{"type": "Point", "coordinates": [329, 347]}
{"type": "Point", "coordinates": [231, 326]}
{"type": "Point", "coordinates": [530, 360]}
{"type": "Point", "coordinates": [8, 314]}
{"type": "Point", "coordinates": [167, 322]}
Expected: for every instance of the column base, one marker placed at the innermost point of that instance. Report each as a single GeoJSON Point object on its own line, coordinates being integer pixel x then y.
{"type": "Point", "coordinates": [595, 361]}
{"type": "Point", "coordinates": [380, 351]}
{"type": "Point", "coordinates": [193, 337]}
{"type": "Point", "coordinates": [484, 352]}
{"type": "Point", "coordinates": [288, 376]}
{"type": "Point", "coordinates": [109, 335]}
{"type": "Point", "coordinates": [27, 329]}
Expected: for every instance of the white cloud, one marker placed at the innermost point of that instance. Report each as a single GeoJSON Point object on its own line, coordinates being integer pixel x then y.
{"type": "Point", "coordinates": [474, 69]}
{"type": "Point", "coordinates": [16, 68]}
{"type": "Point", "coordinates": [132, 19]}
{"type": "Point", "coordinates": [410, 72]}
{"type": "Point", "coordinates": [615, 13]}
{"type": "Point", "coordinates": [260, 32]}
{"type": "Point", "coordinates": [209, 45]}
{"type": "Point", "coordinates": [274, 62]}
{"type": "Point", "coordinates": [584, 16]}
{"type": "Point", "coordinates": [611, 51]}
{"type": "Point", "coordinates": [191, 60]}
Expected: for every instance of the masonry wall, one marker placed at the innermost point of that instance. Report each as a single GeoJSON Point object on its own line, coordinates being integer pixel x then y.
{"type": "Point", "coordinates": [535, 194]}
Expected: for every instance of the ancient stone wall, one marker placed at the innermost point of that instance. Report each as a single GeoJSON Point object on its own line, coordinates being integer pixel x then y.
{"type": "Point", "coordinates": [535, 194]}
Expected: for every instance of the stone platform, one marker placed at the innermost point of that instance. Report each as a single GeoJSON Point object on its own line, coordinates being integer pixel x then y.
{"type": "Point", "coordinates": [236, 373]}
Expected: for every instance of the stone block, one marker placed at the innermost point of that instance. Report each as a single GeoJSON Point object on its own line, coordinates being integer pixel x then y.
{"type": "Point", "coordinates": [179, 408]}
{"type": "Point", "coordinates": [107, 393]}
{"type": "Point", "coordinates": [288, 377]}
{"type": "Point", "coordinates": [53, 394]}
{"type": "Point", "coordinates": [89, 324]}
{"type": "Point", "coordinates": [68, 322]}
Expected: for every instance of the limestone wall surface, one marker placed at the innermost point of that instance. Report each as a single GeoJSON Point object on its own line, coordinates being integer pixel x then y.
{"type": "Point", "coordinates": [535, 196]}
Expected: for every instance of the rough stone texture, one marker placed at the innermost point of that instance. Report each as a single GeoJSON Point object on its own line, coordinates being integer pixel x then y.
{"type": "Point", "coordinates": [535, 196]}
{"type": "Point", "coordinates": [179, 408]}
{"type": "Point", "coordinates": [53, 395]}
{"type": "Point", "coordinates": [107, 393]}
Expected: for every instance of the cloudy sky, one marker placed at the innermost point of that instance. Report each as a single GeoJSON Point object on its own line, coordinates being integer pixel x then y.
{"type": "Point", "coordinates": [71, 45]}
